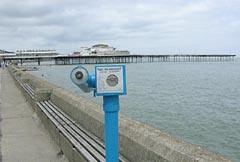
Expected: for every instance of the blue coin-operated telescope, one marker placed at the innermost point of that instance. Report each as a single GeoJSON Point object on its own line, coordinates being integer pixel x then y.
{"type": "Point", "coordinates": [108, 81]}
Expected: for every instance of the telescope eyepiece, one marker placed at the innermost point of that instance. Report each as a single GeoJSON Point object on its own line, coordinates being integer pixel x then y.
{"type": "Point", "coordinates": [79, 75]}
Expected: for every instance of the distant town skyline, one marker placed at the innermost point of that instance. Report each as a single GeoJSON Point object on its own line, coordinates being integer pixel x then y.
{"type": "Point", "coordinates": [140, 26]}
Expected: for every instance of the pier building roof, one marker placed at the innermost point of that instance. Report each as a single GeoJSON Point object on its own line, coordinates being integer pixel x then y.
{"type": "Point", "coordinates": [101, 50]}
{"type": "Point", "coordinates": [4, 53]}
{"type": "Point", "coordinates": [36, 52]}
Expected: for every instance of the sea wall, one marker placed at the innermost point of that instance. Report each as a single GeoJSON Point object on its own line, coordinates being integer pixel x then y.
{"type": "Point", "coordinates": [138, 141]}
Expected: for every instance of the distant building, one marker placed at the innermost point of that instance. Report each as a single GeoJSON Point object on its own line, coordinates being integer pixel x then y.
{"type": "Point", "coordinates": [4, 53]}
{"type": "Point", "coordinates": [20, 53]}
{"type": "Point", "coordinates": [84, 51]}
{"type": "Point", "coordinates": [100, 50]}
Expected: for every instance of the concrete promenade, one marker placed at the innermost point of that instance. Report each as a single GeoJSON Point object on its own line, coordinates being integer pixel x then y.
{"type": "Point", "coordinates": [22, 136]}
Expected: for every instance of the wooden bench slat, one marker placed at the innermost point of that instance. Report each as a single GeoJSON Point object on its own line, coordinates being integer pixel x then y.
{"type": "Point", "coordinates": [79, 134]}
{"type": "Point", "coordinates": [30, 88]}
{"type": "Point", "coordinates": [93, 151]}
{"type": "Point", "coordinates": [87, 133]}
{"type": "Point", "coordinates": [76, 144]}
{"type": "Point", "coordinates": [92, 140]}
{"type": "Point", "coordinates": [31, 94]}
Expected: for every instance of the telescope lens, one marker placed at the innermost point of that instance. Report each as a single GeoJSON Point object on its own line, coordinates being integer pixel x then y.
{"type": "Point", "coordinates": [79, 75]}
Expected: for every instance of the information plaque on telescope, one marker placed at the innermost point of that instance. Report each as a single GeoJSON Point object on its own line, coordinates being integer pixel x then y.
{"type": "Point", "coordinates": [110, 80]}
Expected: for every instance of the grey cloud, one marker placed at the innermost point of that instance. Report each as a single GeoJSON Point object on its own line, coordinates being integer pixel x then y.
{"type": "Point", "coordinates": [15, 11]}
{"type": "Point", "coordinates": [72, 22]}
{"type": "Point", "coordinates": [23, 9]}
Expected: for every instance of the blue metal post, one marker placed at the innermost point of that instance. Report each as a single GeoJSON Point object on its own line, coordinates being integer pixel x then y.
{"type": "Point", "coordinates": [111, 108]}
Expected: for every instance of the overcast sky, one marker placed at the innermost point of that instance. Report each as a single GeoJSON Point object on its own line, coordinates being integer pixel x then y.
{"type": "Point", "coordinates": [140, 26]}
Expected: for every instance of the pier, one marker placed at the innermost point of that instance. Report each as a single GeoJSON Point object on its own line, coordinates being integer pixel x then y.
{"type": "Point", "coordinates": [69, 60]}
{"type": "Point", "coordinates": [140, 59]}
{"type": "Point", "coordinates": [76, 126]}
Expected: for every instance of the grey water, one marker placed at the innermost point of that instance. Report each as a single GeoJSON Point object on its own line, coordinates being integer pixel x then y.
{"type": "Point", "coordinates": [198, 102]}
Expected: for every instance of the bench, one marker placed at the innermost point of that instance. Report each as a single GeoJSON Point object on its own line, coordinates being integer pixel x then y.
{"type": "Point", "coordinates": [27, 87]}
{"type": "Point", "coordinates": [90, 147]}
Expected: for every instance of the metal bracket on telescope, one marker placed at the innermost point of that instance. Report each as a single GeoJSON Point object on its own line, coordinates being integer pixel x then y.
{"type": "Point", "coordinates": [108, 81]}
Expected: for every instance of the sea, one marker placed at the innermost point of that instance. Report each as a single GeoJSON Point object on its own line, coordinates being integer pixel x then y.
{"type": "Point", "coordinates": [198, 102]}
